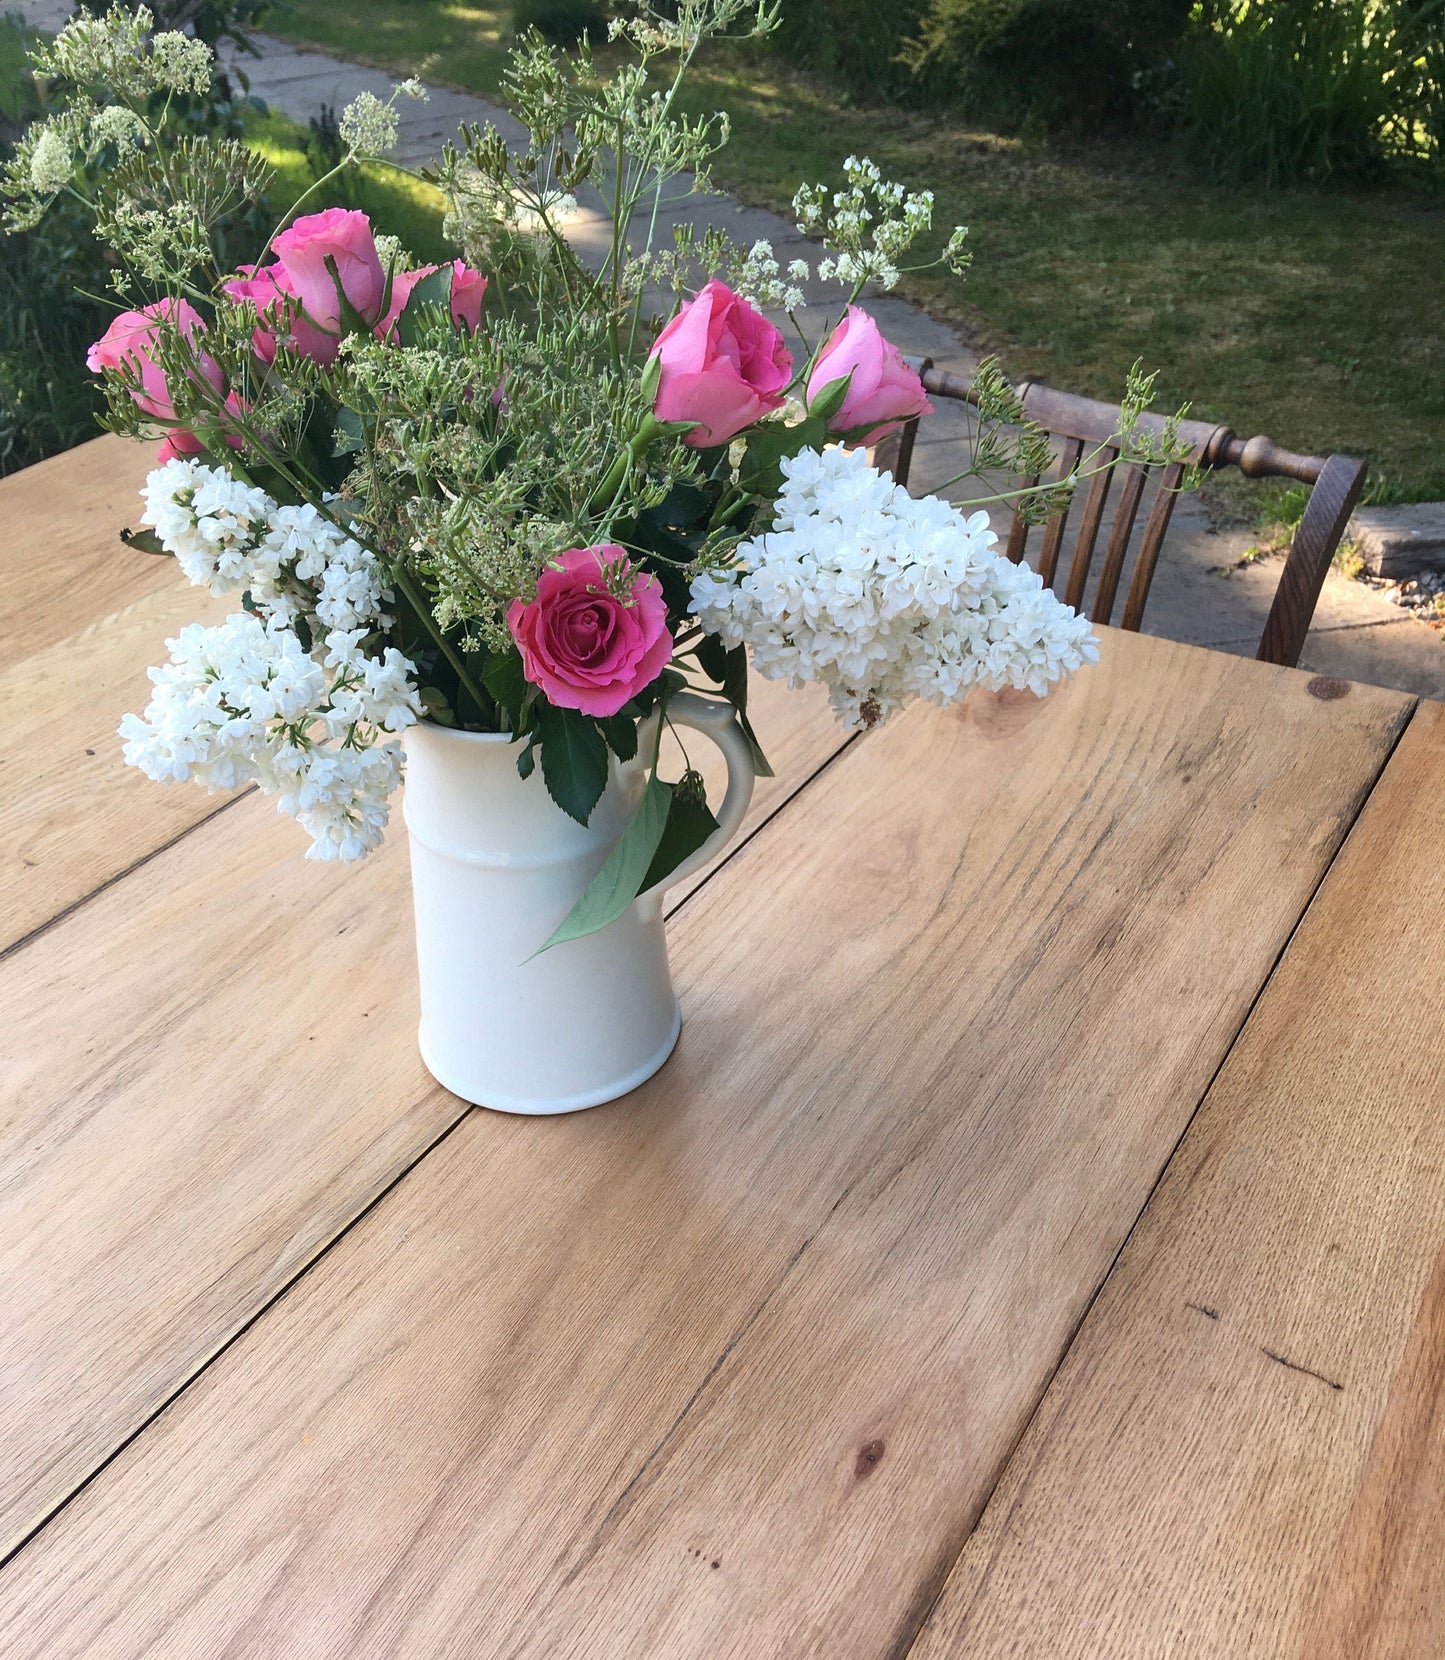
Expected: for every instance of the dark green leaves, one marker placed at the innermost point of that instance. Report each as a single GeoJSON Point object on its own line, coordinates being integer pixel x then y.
{"type": "Point", "coordinates": [623, 877]}
{"type": "Point", "coordinates": [431, 295]}
{"type": "Point", "coordinates": [143, 541]}
{"type": "Point", "coordinates": [620, 731]}
{"type": "Point", "coordinates": [689, 824]}
{"type": "Point", "coordinates": [574, 760]}
{"type": "Point", "coordinates": [730, 670]}
{"type": "Point", "coordinates": [761, 472]}
{"type": "Point", "coordinates": [505, 681]}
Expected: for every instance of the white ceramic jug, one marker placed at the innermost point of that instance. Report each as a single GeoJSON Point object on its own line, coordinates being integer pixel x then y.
{"type": "Point", "coordinates": [496, 866]}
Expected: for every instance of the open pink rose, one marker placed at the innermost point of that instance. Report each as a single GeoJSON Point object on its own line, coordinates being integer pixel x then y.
{"type": "Point", "coordinates": [130, 340]}
{"type": "Point", "coordinates": [884, 391]}
{"type": "Point", "coordinates": [342, 236]}
{"type": "Point", "coordinates": [583, 646]}
{"type": "Point", "coordinates": [723, 365]}
{"type": "Point", "coordinates": [468, 287]}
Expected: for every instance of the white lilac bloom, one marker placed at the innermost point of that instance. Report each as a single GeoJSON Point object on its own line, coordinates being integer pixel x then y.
{"type": "Point", "coordinates": [248, 702]}
{"type": "Point", "coordinates": [885, 599]}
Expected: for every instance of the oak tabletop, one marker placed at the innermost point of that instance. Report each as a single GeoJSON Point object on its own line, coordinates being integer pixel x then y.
{"type": "Point", "coordinates": [1036, 1244]}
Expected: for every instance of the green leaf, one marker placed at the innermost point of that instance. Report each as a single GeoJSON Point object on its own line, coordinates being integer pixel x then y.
{"type": "Point", "coordinates": [351, 320]}
{"type": "Point", "coordinates": [430, 294]}
{"type": "Point", "coordinates": [689, 824]}
{"type": "Point", "coordinates": [761, 472]}
{"type": "Point", "coordinates": [830, 400]}
{"type": "Point", "coordinates": [624, 876]}
{"type": "Point", "coordinates": [506, 680]}
{"type": "Point", "coordinates": [527, 760]}
{"type": "Point", "coordinates": [143, 541]}
{"type": "Point", "coordinates": [350, 434]}
{"type": "Point", "coordinates": [730, 670]}
{"type": "Point", "coordinates": [620, 732]}
{"type": "Point", "coordinates": [574, 760]}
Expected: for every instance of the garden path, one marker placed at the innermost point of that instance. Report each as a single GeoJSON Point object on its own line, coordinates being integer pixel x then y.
{"type": "Point", "coordinates": [1357, 635]}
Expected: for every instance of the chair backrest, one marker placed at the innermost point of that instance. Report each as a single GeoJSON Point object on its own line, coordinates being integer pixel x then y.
{"type": "Point", "coordinates": [1082, 426]}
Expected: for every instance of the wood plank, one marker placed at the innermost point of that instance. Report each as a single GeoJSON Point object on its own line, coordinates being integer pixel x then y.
{"type": "Point", "coordinates": [62, 563]}
{"type": "Point", "coordinates": [1244, 1453]}
{"type": "Point", "coordinates": [205, 1073]}
{"type": "Point", "coordinates": [72, 814]}
{"type": "Point", "coordinates": [730, 1367]}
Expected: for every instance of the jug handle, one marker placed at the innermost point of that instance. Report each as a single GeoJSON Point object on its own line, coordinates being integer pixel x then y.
{"type": "Point", "coordinates": [718, 721]}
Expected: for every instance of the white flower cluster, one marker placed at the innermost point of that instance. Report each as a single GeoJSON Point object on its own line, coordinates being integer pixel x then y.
{"type": "Point", "coordinates": [248, 701]}
{"type": "Point", "coordinates": [228, 536]}
{"type": "Point", "coordinates": [367, 126]}
{"type": "Point", "coordinates": [111, 52]}
{"type": "Point", "coordinates": [869, 225]}
{"type": "Point", "coordinates": [757, 277]}
{"type": "Point", "coordinates": [884, 598]}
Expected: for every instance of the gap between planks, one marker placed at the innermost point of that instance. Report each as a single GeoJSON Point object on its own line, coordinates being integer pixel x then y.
{"type": "Point", "coordinates": [465, 1109]}
{"type": "Point", "coordinates": [908, 1640]}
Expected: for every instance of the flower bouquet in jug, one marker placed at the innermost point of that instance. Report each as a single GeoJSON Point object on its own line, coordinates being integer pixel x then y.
{"type": "Point", "coordinates": [538, 498]}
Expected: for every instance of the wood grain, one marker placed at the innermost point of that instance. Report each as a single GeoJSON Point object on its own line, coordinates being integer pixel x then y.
{"type": "Point", "coordinates": [62, 563]}
{"type": "Point", "coordinates": [72, 815]}
{"type": "Point", "coordinates": [731, 1367]}
{"type": "Point", "coordinates": [205, 1073]}
{"type": "Point", "coordinates": [1244, 1453]}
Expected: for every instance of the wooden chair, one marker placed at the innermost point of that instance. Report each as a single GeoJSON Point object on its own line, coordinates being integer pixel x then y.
{"type": "Point", "coordinates": [1082, 424]}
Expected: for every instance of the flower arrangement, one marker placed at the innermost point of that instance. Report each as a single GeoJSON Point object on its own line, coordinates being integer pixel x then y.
{"type": "Point", "coordinates": [496, 494]}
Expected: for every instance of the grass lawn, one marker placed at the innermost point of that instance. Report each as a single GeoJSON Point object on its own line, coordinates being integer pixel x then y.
{"type": "Point", "coordinates": [408, 208]}
{"type": "Point", "coordinates": [1316, 318]}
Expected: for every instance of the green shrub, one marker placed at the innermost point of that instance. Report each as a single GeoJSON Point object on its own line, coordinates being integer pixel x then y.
{"type": "Point", "coordinates": [856, 44]}
{"type": "Point", "coordinates": [1313, 91]}
{"type": "Point", "coordinates": [1050, 62]}
{"type": "Point", "coordinates": [53, 279]}
{"type": "Point", "coordinates": [563, 22]}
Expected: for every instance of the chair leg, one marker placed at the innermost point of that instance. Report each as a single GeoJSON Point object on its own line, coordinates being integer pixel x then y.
{"type": "Point", "coordinates": [893, 455]}
{"type": "Point", "coordinates": [1331, 502]}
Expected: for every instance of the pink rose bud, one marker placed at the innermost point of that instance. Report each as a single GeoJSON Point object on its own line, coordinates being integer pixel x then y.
{"type": "Point", "coordinates": [583, 646]}
{"type": "Point", "coordinates": [468, 287]}
{"type": "Point", "coordinates": [342, 236]}
{"type": "Point", "coordinates": [723, 365]}
{"type": "Point", "coordinates": [884, 391]}
{"type": "Point", "coordinates": [130, 340]}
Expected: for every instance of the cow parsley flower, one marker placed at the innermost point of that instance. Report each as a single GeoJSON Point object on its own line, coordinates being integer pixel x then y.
{"type": "Point", "coordinates": [885, 599]}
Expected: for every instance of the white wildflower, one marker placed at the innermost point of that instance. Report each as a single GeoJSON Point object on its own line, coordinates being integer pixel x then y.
{"type": "Point", "coordinates": [367, 126]}
{"type": "Point", "coordinates": [51, 163]}
{"type": "Point", "coordinates": [180, 64]}
{"type": "Point", "coordinates": [885, 599]}
{"type": "Point", "coordinates": [118, 128]}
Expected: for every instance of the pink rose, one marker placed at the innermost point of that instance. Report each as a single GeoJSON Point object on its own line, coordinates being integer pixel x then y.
{"type": "Point", "coordinates": [723, 365]}
{"type": "Point", "coordinates": [302, 250]}
{"type": "Point", "coordinates": [179, 441]}
{"type": "Point", "coordinates": [884, 391]}
{"type": "Point", "coordinates": [272, 293]}
{"type": "Point", "coordinates": [468, 287]}
{"type": "Point", "coordinates": [130, 340]}
{"type": "Point", "coordinates": [582, 645]}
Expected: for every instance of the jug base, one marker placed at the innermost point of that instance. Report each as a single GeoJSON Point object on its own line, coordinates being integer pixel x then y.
{"type": "Point", "coordinates": [538, 1106]}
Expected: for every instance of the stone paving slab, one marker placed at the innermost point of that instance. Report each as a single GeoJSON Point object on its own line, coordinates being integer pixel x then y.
{"type": "Point", "coordinates": [1400, 542]}
{"type": "Point", "coordinates": [1356, 634]}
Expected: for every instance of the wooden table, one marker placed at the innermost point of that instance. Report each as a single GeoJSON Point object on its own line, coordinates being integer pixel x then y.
{"type": "Point", "coordinates": [1036, 1245]}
